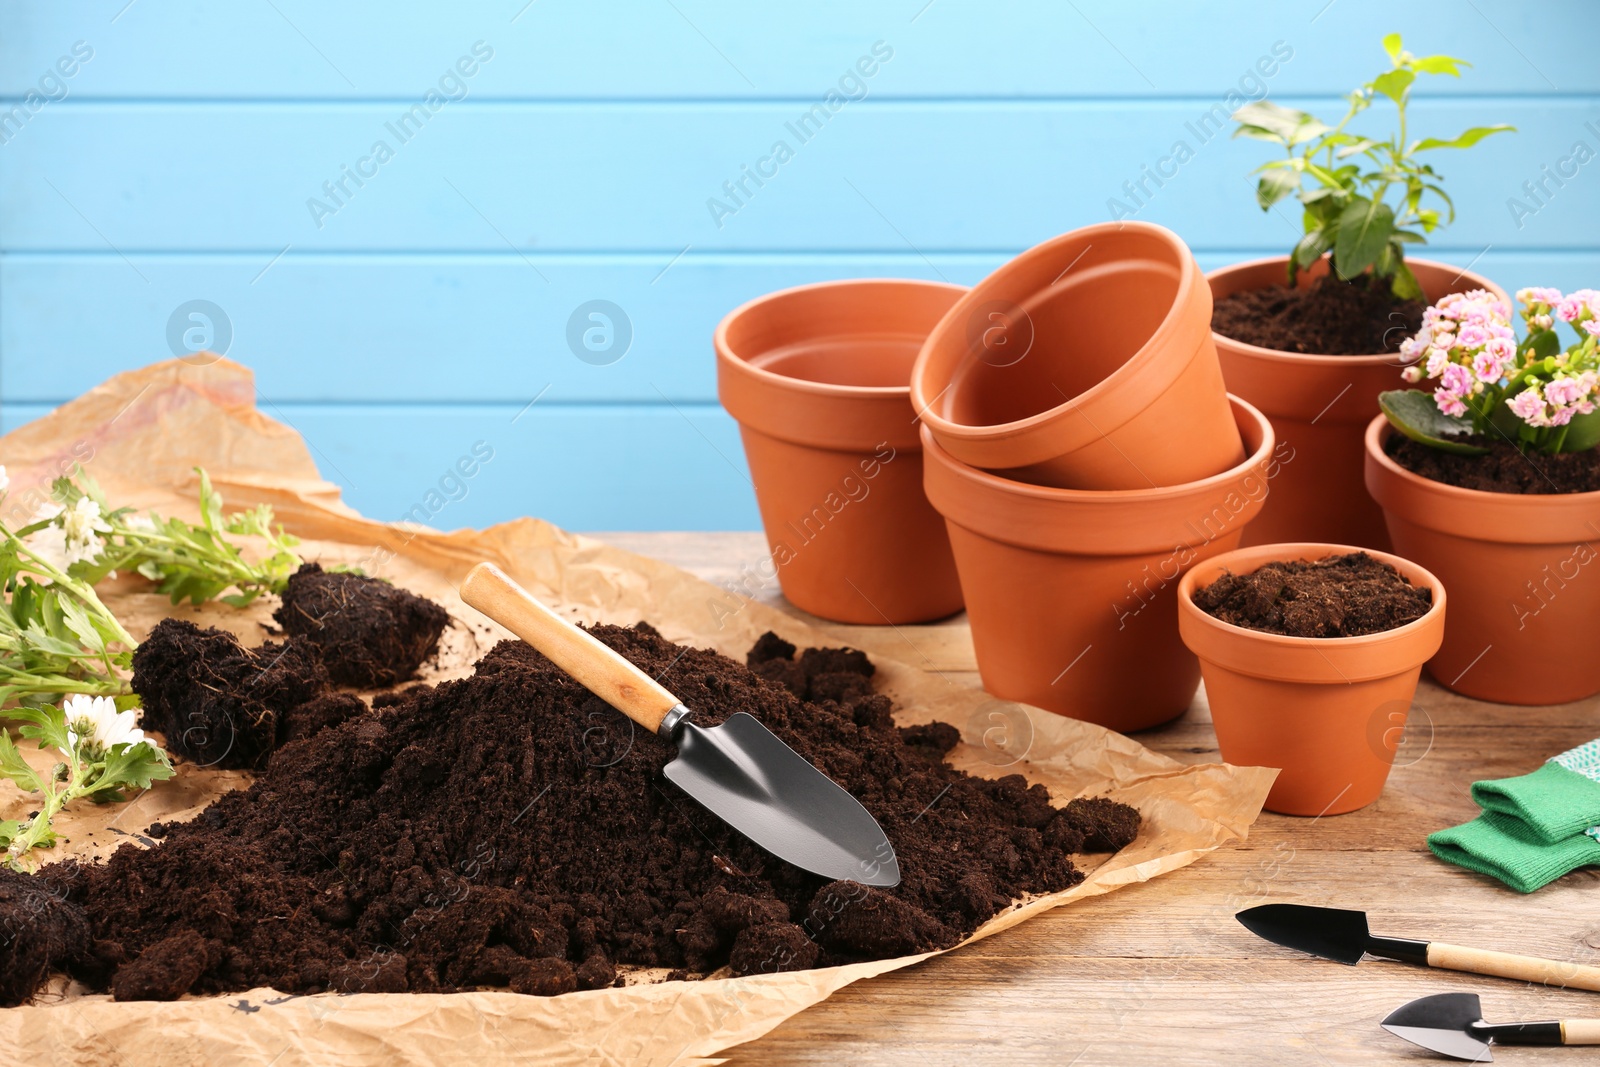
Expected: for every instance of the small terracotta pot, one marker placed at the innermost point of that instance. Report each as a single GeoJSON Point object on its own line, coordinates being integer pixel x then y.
{"type": "Point", "coordinates": [1084, 363]}
{"type": "Point", "coordinates": [816, 377]}
{"type": "Point", "coordinates": [1319, 407]}
{"type": "Point", "coordinates": [1523, 573]}
{"type": "Point", "coordinates": [1070, 592]}
{"type": "Point", "coordinates": [1329, 711]}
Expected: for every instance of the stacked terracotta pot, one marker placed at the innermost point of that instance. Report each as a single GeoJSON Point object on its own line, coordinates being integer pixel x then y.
{"type": "Point", "coordinates": [1080, 444]}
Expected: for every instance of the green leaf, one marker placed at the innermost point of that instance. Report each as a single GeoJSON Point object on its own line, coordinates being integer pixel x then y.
{"type": "Point", "coordinates": [133, 767]}
{"type": "Point", "coordinates": [1413, 413]}
{"type": "Point", "coordinates": [1583, 433]}
{"type": "Point", "coordinates": [1541, 344]}
{"type": "Point", "coordinates": [1391, 45]}
{"type": "Point", "coordinates": [1310, 248]}
{"type": "Point", "coordinates": [14, 767]}
{"type": "Point", "coordinates": [1275, 185]}
{"type": "Point", "coordinates": [1354, 148]}
{"type": "Point", "coordinates": [1465, 139]}
{"type": "Point", "coordinates": [1275, 119]}
{"type": "Point", "coordinates": [9, 829]}
{"type": "Point", "coordinates": [1364, 231]}
{"type": "Point", "coordinates": [1439, 65]}
{"type": "Point", "coordinates": [1405, 284]}
{"type": "Point", "coordinates": [1394, 84]}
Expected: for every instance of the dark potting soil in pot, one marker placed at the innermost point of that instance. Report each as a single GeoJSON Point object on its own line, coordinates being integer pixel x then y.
{"type": "Point", "coordinates": [1332, 317]}
{"type": "Point", "coordinates": [1504, 469]}
{"type": "Point", "coordinates": [372, 633]}
{"type": "Point", "coordinates": [511, 830]}
{"type": "Point", "coordinates": [1339, 596]}
{"type": "Point", "coordinates": [221, 704]}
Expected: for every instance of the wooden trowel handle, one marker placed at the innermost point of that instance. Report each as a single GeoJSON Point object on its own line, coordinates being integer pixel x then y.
{"type": "Point", "coordinates": [1554, 973]}
{"type": "Point", "coordinates": [601, 671]}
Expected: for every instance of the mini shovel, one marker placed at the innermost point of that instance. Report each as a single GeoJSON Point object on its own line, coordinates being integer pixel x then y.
{"type": "Point", "coordinates": [739, 770]}
{"type": "Point", "coordinates": [1451, 1024]}
{"type": "Point", "coordinates": [1338, 934]}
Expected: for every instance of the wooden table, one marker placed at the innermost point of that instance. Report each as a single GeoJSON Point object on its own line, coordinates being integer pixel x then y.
{"type": "Point", "coordinates": [1161, 973]}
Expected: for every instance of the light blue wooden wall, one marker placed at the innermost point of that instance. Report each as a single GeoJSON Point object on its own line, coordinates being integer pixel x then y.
{"type": "Point", "coordinates": [425, 313]}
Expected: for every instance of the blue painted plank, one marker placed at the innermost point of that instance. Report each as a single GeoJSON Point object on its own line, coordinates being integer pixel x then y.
{"type": "Point", "coordinates": [583, 468]}
{"type": "Point", "coordinates": [875, 176]}
{"type": "Point", "coordinates": [458, 328]}
{"type": "Point", "coordinates": [564, 49]}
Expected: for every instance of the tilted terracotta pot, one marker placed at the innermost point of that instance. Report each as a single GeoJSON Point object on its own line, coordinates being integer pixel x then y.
{"type": "Point", "coordinates": [1319, 407]}
{"type": "Point", "coordinates": [1070, 592]}
{"type": "Point", "coordinates": [816, 377]}
{"type": "Point", "coordinates": [1084, 363]}
{"type": "Point", "coordinates": [1523, 573]}
{"type": "Point", "coordinates": [1329, 711]}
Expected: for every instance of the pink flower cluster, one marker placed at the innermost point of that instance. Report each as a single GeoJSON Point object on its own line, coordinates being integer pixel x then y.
{"type": "Point", "coordinates": [1466, 341]}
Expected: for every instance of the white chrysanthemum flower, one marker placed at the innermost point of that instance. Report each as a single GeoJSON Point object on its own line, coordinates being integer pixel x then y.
{"type": "Point", "coordinates": [50, 545]}
{"type": "Point", "coordinates": [82, 521]}
{"type": "Point", "coordinates": [97, 726]}
{"type": "Point", "coordinates": [5, 479]}
{"type": "Point", "coordinates": [141, 522]}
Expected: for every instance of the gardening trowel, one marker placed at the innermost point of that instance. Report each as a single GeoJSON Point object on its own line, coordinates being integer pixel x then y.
{"type": "Point", "coordinates": [739, 770]}
{"type": "Point", "coordinates": [1451, 1024]}
{"type": "Point", "coordinates": [1336, 934]}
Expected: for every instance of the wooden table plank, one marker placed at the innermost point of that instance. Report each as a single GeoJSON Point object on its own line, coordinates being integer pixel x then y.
{"type": "Point", "coordinates": [1161, 973]}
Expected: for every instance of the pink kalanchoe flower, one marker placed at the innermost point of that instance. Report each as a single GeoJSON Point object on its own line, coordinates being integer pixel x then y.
{"type": "Point", "coordinates": [1472, 335]}
{"type": "Point", "coordinates": [1449, 402]}
{"type": "Point", "coordinates": [1543, 322]}
{"type": "Point", "coordinates": [1502, 348]}
{"type": "Point", "coordinates": [1438, 360]}
{"type": "Point", "coordinates": [1412, 373]}
{"type": "Point", "coordinates": [1457, 379]}
{"type": "Point", "coordinates": [1564, 391]}
{"type": "Point", "coordinates": [1528, 406]}
{"type": "Point", "coordinates": [1488, 368]}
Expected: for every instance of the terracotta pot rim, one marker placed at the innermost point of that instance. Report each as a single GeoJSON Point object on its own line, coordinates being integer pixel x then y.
{"type": "Point", "coordinates": [1375, 437]}
{"type": "Point", "coordinates": [993, 482]}
{"type": "Point", "coordinates": [1259, 555]}
{"type": "Point", "coordinates": [1188, 281]}
{"type": "Point", "coordinates": [1318, 358]}
{"type": "Point", "coordinates": [736, 364]}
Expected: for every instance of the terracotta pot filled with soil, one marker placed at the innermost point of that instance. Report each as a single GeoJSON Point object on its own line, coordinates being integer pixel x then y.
{"type": "Point", "coordinates": [1515, 538]}
{"type": "Point", "coordinates": [817, 379]}
{"type": "Point", "coordinates": [1085, 363]}
{"type": "Point", "coordinates": [509, 830]}
{"type": "Point", "coordinates": [1070, 592]}
{"type": "Point", "coordinates": [1311, 655]}
{"type": "Point", "coordinates": [1314, 359]}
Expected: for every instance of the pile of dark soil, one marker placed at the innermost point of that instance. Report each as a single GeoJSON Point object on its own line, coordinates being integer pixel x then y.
{"type": "Point", "coordinates": [511, 830]}
{"type": "Point", "coordinates": [1505, 469]}
{"type": "Point", "coordinates": [1340, 596]}
{"type": "Point", "coordinates": [373, 634]}
{"type": "Point", "coordinates": [221, 704]}
{"type": "Point", "coordinates": [1332, 317]}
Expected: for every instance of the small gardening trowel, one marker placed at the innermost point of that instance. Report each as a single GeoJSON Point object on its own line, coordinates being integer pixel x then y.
{"type": "Point", "coordinates": [1451, 1024]}
{"type": "Point", "coordinates": [1339, 934]}
{"type": "Point", "coordinates": [739, 770]}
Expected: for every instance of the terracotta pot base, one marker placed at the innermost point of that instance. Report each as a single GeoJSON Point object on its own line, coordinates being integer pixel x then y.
{"type": "Point", "coordinates": [816, 377]}
{"type": "Point", "coordinates": [1070, 593]}
{"type": "Point", "coordinates": [1329, 712]}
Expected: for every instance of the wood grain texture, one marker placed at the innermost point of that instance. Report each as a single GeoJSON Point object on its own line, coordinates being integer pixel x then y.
{"type": "Point", "coordinates": [1160, 973]}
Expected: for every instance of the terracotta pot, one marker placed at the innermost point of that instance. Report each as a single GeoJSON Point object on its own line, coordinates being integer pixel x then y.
{"type": "Point", "coordinates": [1084, 363]}
{"type": "Point", "coordinates": [1070, 592]}
{"type": "Point", "coordinates": [1522, 573]}
{"type": "Point", "coordinates": [816, 377]}
{"type": "Point", "coordinates": [1319, 407]}
{"type": "Point", "coordinates": [1329, 711]}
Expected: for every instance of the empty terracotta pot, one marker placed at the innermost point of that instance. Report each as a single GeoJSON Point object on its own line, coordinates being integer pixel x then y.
{"type": "Point", "coordinates": [1523, 579]}
{"type": "Point", "coordinates": [1319, 407]}
{"type": "Point", "coordinates": [1084, 363]}
{"type": "Point", "coordinates": [816, 377]}
{"type": "Point", "coordinates": [1070, 592]}
{"type": "Point", "coordinates": [1329, 711]}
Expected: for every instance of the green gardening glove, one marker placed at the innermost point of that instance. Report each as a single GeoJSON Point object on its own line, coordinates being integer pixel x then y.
{"type": "Point", "coordinates": [1504, 847]}
{"type": "Point", "coordinates": [1559, 800]}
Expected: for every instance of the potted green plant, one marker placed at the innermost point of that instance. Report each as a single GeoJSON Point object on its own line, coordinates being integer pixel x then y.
{"type": "Point", "coordinates": [1492, 482]}
{"type": "Point", "coordinates": [1311, 338]}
